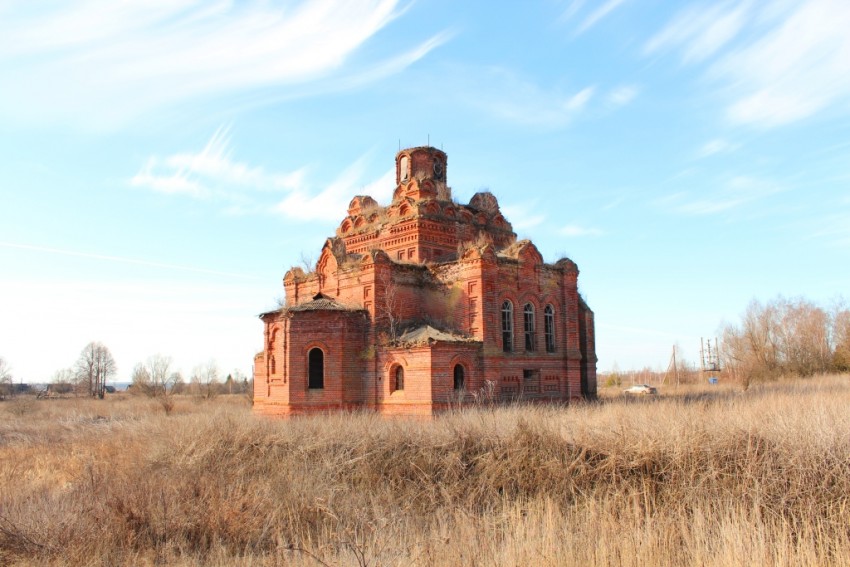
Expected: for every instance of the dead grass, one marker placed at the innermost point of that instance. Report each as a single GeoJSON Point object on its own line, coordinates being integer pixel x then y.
{"type": "Point", "coordinates": [718, 478]}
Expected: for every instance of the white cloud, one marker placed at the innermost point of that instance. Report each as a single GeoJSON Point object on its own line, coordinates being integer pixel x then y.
{"type": "Point", "coordinates": [100, 62]}
{"type": "Point", "coordinates": [622, 95]}
{"type": "Point", "coordinates": [509, 97]}
{"type": "Point", "coordinates": [571, 10]}
{"type": "Point", "coordinates": [523, 216]}
{"type": "Point", "coordinates": [579, 100]}
{"type": "Point", "coordinates": [597, 15]}
{"type": "Point", "coordinates": [613, 204]}
{"type": "Point", "coordinates": [331, 203]}
{"type": "Point", "coordinates": [735, 192]}
{"type": "Point", "coordinates": [775, 62]}
{"type": "Point", "coordinates": [212, 173]}
{"type": "Point", "coordinates": [701, 31]}
{"type": "Point", "coordinates": [716, 146]}
{"type": "Point", "coordinates": [574, 230]}
{"type": "Point", "coordinates": [798, 68]}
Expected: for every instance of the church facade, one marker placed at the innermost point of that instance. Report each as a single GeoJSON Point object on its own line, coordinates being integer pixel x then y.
{"type": "Point", "coordinates": [423, 305]}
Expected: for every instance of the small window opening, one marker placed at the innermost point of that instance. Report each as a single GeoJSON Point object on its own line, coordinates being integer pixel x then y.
{"type": "Point", "coordinates": [399, 378]}
{"type": "Point", "coordinates": [459, 378]}
{"type": "Point", "coordinates": [316, 369]}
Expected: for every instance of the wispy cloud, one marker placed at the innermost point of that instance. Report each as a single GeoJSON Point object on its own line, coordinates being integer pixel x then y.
{"type": "Point", "coordinates": [575, 230]}
{"type": "Point", "coordinates": [622, 95]}
{"type": "Point", "coordinates": [716, 146]}
{"type": "Point", "coordinates": [212, 173]}
{"type": "Point", "coordinates": [774, 62]}
{"type": "Point", "coordinates": [734, 193]}
{"type": "Point", "coordinates": [571, 10]}
{"type": "Point", "coordinates": [120, 259]}
{"type": "Point", "coordinates": [509, 97]}
{"type": "Point", "coordinates": [701, 31]}
{"type": "Point", "coordinates": [100, 62]}
{"type": "Point", "coordinates": [834, 229]}
{"type": "Point", "coordinates": [613, 204]}
{"type": "Point", "coordinates": [330, 203]}
{"type": "Point", "coordinates": [523, 216]}
{"type": "Point", "coordinates": [598, 14]}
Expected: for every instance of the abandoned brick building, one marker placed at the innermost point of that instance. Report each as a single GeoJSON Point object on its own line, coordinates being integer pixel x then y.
{"type": "Point", "coordinates": [424, 304]}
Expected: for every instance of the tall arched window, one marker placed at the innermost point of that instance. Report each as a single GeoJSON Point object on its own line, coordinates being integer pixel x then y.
{"type": "Point", "coordinates": [507, 326]}
{"type": "Point", "coordinates": [549, 327]}
{"type": "Point", "coordinates": [459, 378]}
{"type": "Point", "coordinates": [316, 369]}
{"type": "Point", "coordinates": [404, 168]}
{"type": "Point", "coordinates": [398, 378]}
{"type": "Point", "coordinates": [528, 319]}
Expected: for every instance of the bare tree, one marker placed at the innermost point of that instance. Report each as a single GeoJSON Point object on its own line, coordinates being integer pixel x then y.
{"type": "Point", "coordinates": [205, 379]}
{"type": "Point", "coordinates": [238, 382]}
{"type": "Point", "coordinates": [841, 338]}
{"type": "Point", "coordinates": [141, 380]}
{"type": "Point", "coordinates": [155, 378]}
{"type": "Point", "coordinates": [94, 367]}
{"type": "Point", "coordinates": [62, 381]}
{"type": "Point", "coordinates": [784, 337]}
{"type": "Point", "coordinates": [6, 387]}
{"type": "Point", "coordinates": [803, 337]}
{"type": "Point", "coordinates": [390, 304]}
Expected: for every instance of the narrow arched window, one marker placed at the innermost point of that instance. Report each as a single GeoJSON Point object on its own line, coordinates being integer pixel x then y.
{"type": "Point", "coordinates": [398, 378]}
{"type": "Point", "coordinates": [316, 369]}
{"type": "Point", "coordinates": [404, 168]}
{"type": "Point", "coordinates": [549, 327]}
{"type": "Point", "coordinates": [528, 319]}
{"type": "Point", "coordinates": [507, 326]}
{"type": "Point", "coordinates": [459, 378]}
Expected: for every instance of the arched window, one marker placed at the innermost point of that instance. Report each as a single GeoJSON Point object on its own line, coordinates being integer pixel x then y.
{"type": "Point", "coordinates": [316, 369]}
{"type": "Point", "coordinates": [528, 319]}
{"type": "Point", "coordinates": [459, 379]}
{"type": "Point", "coordinates": [507, 326]}
{"type": "Point", "coordinates": [398, 378]}
{"type": "Point", "coordinates": [549, 327]}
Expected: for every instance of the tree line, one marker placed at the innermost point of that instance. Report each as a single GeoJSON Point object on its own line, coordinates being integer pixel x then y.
{"type": "Point", "coordinates": [155, 377]}
{"type": "Point", "coordinates": [787, 337]}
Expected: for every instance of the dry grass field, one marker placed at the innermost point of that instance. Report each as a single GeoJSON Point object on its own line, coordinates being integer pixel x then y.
{"type": "Point", "coordinates": [710, 478]}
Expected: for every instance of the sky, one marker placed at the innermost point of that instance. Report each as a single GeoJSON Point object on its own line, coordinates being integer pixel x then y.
{"type": "Point", "coordinates": [164, 162]}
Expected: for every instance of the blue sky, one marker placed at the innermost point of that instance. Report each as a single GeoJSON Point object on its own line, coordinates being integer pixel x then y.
{"type": "Point", "coordinates": [165, 162]}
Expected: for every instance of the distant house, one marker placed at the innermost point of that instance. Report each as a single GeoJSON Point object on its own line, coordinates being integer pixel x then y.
{"type": "Point", "coordinates": [425, 304]}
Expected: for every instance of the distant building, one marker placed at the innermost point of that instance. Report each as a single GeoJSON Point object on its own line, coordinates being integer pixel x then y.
{"type": "Point", "coordinates": [424, 304]}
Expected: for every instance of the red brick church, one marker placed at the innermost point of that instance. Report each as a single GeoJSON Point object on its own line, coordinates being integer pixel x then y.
{"type": "Point", "coordinates": [423, 305]}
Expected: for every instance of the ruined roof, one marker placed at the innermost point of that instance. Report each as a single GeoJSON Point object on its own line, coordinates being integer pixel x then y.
{"type": "Point", "coordinates": [426, 334]}
{"type": "Point", "coordinates": [322, 302]}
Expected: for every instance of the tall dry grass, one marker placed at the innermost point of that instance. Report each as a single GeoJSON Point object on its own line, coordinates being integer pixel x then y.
{"type": "Point", "coordinates": [722, 478]}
